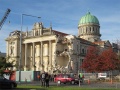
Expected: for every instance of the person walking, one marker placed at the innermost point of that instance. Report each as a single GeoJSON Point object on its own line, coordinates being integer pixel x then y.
{"type": "Point", "coordinates": [47, 78]}
{"type": "Point", "coordinates": [81, 76]}
{"type": "Point", "coordinates": [43, 79]}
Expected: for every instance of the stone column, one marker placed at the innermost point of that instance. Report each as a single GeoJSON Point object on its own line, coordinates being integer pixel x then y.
{"type": "Point", "coordinates": [7, 48]}
{"type": "Point", "coordinates": [41, 54]}
{"type": "Point", "coordinates": [34, 32]}
{"type": "Point", "coordinates": [39, 57]}
{"type": "Point", "coordinates": [33, 59]}
{"type": "Point", "coordinates": [26, 65]}
{"type": "Point", "coordinates": [38, 31]}
{"type": "Point", "coordinates": [50, 54]}
{"type": "Point", "coordinates": [50, 57]}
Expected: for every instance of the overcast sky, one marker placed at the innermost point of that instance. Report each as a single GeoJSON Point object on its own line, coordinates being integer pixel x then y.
{"type": "Point", "coordinates": [63, 15]}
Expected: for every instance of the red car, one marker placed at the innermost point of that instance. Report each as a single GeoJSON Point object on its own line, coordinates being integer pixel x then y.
{"type": "Point", "coordinates": [65, 78]}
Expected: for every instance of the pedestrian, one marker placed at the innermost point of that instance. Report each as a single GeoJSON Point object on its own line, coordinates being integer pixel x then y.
{"type": "Point", "coordinates": [81, 76]}
{"type": "Point", "coordinates": [43, 79]}
{"type": "Point", "coordinates": [47, 78]}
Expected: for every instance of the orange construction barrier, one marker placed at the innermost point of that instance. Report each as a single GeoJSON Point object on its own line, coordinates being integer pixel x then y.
{"type": "Point", "coordinates": [88, 81]}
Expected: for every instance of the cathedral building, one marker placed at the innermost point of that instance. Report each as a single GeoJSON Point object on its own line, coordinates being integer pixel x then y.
{"type": "Point", "coordinates": [45, 49]}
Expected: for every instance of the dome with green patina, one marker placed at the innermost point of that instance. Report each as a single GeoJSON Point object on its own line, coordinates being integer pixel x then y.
{"type": "Point", "coordinates": [88, 19]}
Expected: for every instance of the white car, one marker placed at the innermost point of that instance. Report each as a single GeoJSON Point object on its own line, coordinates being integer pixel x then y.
{"type": "Point", "coordinates": [102, 76]}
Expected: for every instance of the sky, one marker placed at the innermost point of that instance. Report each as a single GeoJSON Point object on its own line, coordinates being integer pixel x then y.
{"type": "Point", "coordinates": [63, 15]}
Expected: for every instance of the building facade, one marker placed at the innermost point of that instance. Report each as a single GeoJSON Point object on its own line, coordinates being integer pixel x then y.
{"type": "Point", "coordinates": [44, 49]}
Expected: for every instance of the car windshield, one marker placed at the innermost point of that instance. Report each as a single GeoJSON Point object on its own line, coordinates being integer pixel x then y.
{"type": "Point", "coordinates": [66, 76]}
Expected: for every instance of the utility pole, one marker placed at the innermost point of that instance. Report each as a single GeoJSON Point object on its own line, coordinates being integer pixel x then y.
{"type": "Point", "coordinates": [20, 59]}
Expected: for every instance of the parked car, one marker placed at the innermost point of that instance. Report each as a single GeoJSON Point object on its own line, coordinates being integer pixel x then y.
{"type": "Point", "coordinates": [102, 76]}
{"type": "Point", "coordinates": [66, 78]}
{"type": "Point", "coordinates": [5, 83]}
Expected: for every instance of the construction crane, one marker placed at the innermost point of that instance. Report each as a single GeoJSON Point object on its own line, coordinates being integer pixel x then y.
{"type": "Point", "coordinates": [4, 18]}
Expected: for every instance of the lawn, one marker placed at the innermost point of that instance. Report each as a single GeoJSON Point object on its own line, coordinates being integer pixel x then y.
{"type": "Point", "coordinates": [30, 87]}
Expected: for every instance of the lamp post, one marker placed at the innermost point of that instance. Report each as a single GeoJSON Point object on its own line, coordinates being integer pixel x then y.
{"type": "Point", "coordinates": [20, 59]}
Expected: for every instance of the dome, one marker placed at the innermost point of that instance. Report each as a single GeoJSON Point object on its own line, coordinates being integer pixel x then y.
{"type": "Point", "coordinates": [87, 19]}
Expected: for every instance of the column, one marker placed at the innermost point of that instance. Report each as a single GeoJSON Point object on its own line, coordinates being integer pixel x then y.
{"type": "Point", "coordinates": [50, 57]}
{"type": "Point", "coordinates": [39, 31]}
{"type": "Point", "coordinates": [34, 32]}
{"type": "Point", "coordinates": [26, 65]}
{"type": "Point", "coordinates": [7, 48]}
{"type": "Point", "coordinates": [50, 54]}
{"type": "Point", "coordinates": [15, 51]}
{"type": "Point", "coordinates": [33, 62]}
{"type": "Point", "coordinates": [39, 57]}
{"type": "Point", "coordinates": [41, 54]}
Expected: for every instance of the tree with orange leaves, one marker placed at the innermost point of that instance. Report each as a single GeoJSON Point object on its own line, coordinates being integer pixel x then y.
{"type": "Point", "coordinates": [99, 61]}
{"type": "Point", "coordinates": [110, 59]}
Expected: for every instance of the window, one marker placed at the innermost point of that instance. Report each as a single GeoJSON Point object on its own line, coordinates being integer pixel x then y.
{"type": "Point", "coordinates": [82, 50]}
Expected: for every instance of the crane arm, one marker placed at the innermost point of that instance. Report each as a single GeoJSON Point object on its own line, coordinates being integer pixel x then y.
{"type": "Point", "coordinates": [4, 18]}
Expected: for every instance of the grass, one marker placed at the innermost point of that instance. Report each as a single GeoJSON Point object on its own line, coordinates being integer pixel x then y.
{"type": "Point", "coordinates": [32, 87]}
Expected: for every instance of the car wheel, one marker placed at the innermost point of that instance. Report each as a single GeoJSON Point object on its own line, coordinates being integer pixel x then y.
{"type": "Point", "coordinates": [72, 82]}
{"type": "Point", "coordinates": [58, 82]}
{"type": "Point", "coordinates": [12, 86]}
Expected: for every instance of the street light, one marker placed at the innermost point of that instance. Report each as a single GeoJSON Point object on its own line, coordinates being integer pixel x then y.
{"type": "Point", "coordinates": [20, 59]}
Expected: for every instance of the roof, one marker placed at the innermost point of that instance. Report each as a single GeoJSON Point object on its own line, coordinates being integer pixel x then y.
{"type": "Point", "coordinates": [61, 33]}
{"type": "Point", "coordinates": [103, 43]}
{"type": "Point", "coordinates": [87, 19]}
{"type": "Point", "coordinates": [86, 42]}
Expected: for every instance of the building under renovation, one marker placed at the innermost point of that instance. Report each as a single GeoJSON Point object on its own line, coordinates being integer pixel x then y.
{"type": "Point", "coordinates": [45, 49]}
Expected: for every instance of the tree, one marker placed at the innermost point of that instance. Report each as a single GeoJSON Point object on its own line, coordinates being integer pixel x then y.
{"type": "Point", "coordinates": [4, 65]}
{"type": "Point", "coordinates": [111, 61]}
{"type": "Point", "coordinates": [89, 63]}
{"type": "Point", "coordinates": [99, 61]}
